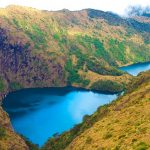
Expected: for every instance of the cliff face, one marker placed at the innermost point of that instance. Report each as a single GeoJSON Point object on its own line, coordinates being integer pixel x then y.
{"type": "Point", "coordinates": [20, 68]}
{"type": "Point", "coordinates": [123, 124]}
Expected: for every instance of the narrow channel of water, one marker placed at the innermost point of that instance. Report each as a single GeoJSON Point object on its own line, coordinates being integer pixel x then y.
{"type": "Point", "coordinates": [135, 69]}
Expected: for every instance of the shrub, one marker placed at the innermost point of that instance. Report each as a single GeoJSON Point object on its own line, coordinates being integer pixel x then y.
{"type": "Point", "coordinates": [118, 50]}
{"type": "Point", "coordinates": [56, 36]}
{"type": "Point", "coordinates": [73, 75]}
{"type": "Point", "coordinates": [2, 85]}
{"type": "Point", "coordinates": [85, 82]}
{"type": "Point", "coordinates": [93, 64]}
{"type": "Point", "coordinates": [134, 140]}
{"type": "Point", "coordinates": [85, 118]}
{"type": "Point", "coordinates": [107, 135]}
{"type": "Point", "coordinates": [100, 68]}
{"type": "Point", "coordinates": [15, 21]}
{"type": "Point", "coordinates": [30, 144]}
{"type": "Point", "coordinates": [2, 132]}
{"type": "Point", "coordinates": [107, 86]}
{"type": "Point", "coordinates": [15, 86]}
{"type": "Point", "coordinates": [37, 36]}
{"type": "Point", "coordinates": [88, 140]}
{"type": "Point", "coordinates": [142, 146]}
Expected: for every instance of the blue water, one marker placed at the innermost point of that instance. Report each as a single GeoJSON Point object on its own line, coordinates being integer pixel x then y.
{"type": "Point", "coordinates": [135, 69]}
{"type": "Point", "coordinates": [40, 113]}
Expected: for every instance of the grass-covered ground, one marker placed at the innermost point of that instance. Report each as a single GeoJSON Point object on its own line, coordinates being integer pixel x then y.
{"type": "Point", "coordinates": [123, 124]}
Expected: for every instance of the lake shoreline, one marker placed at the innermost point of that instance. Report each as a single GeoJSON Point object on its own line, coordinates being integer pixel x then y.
{"type": "Point", "coordinates": [130, 64]}
{"type": "Point", "coordinates": [68, 103]}
{"type": "Point", "coordinates": [68, 89]}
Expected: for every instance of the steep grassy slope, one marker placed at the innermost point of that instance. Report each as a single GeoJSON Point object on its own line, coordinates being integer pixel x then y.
{"type": "Point", "coordinates": [8, 138]}
{"type": "Point", "coordinates": [123, 124]}
{"type": "Point", "coordinates": [41, 48]}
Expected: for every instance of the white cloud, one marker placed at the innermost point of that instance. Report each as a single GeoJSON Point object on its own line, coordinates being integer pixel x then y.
{"type": "Point", "coordinates": [117, 6]}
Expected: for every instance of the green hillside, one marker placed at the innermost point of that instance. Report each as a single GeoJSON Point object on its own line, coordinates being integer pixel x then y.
{"type": "Point", "coordinates": [123, 124]}
{"type": "Point", "coordinates": [82, 49]}
{"type": "Point", "coordinates": [43, 49]}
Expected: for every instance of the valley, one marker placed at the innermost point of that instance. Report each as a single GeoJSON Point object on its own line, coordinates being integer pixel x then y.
{"type": "Point", "coordinates": [122, 124]}
{"type": "Point", "coordinates": [81, 49]}
{"type": "Point", "coordinates": [59, 48]}
{"type": "Point", "coordinates": [70, 106]}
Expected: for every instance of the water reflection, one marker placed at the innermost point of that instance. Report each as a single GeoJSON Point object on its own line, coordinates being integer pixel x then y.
{"type": "Point", "coordinates": [40, 114]}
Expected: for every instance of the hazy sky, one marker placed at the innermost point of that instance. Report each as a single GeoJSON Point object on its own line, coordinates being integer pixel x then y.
{"type": "Point", "coordinates": [117, 6]}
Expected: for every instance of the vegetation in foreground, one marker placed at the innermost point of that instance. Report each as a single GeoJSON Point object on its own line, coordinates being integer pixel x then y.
{"type": "Point", "coordinates": [123, 124]}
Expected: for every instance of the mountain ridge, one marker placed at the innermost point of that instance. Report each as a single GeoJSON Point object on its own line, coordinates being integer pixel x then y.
{"type": "Point", "coordinates": [73, 38]}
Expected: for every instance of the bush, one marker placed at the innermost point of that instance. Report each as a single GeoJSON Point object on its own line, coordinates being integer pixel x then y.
{"type": "Point", "coordinates": [94, 64]}
{"type": "Point", "coordinates": [15, 86]}
{"type": "Point", "coordinates": [30, 144]}
{"type": "Point", "coordinates": [85, 82]}
{"type": "Point", "coordinates": [88, 140]}
{"type": "Point", "coordinates": [37, 36]}
{"type": "Point", "coordinates": [15, 21]}
{"type": "Point", "coordinates": [107, 135]}
{"type": "Point", "coordinates": [73, 75]}
{"type": "Point", "coordinates": [101, 68]}
{"type": "Point", "coordinates": [142, 146]}
{"type": "Point", "coordinates": [107, 86]}
{"type": "Point", "coordinates": [56, 36]}
{"type": "Point", "coordinates": [118, 50]}
{"type": "Point", "coordinates": [85, 118]}
{"type": "Point", "coordinates": [2, 85]}
{"type": "Point", "coordinates": [2, 132]}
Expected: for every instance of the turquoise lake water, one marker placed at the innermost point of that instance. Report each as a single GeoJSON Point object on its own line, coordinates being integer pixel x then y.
{"type": "Point", "coordinates": [135, 69]}
{"type": "Point", "coordinates": [40, 113]}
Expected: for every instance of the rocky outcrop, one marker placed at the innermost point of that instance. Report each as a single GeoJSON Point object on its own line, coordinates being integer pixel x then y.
{"type": "Point", "coordinates": [18, 66]}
